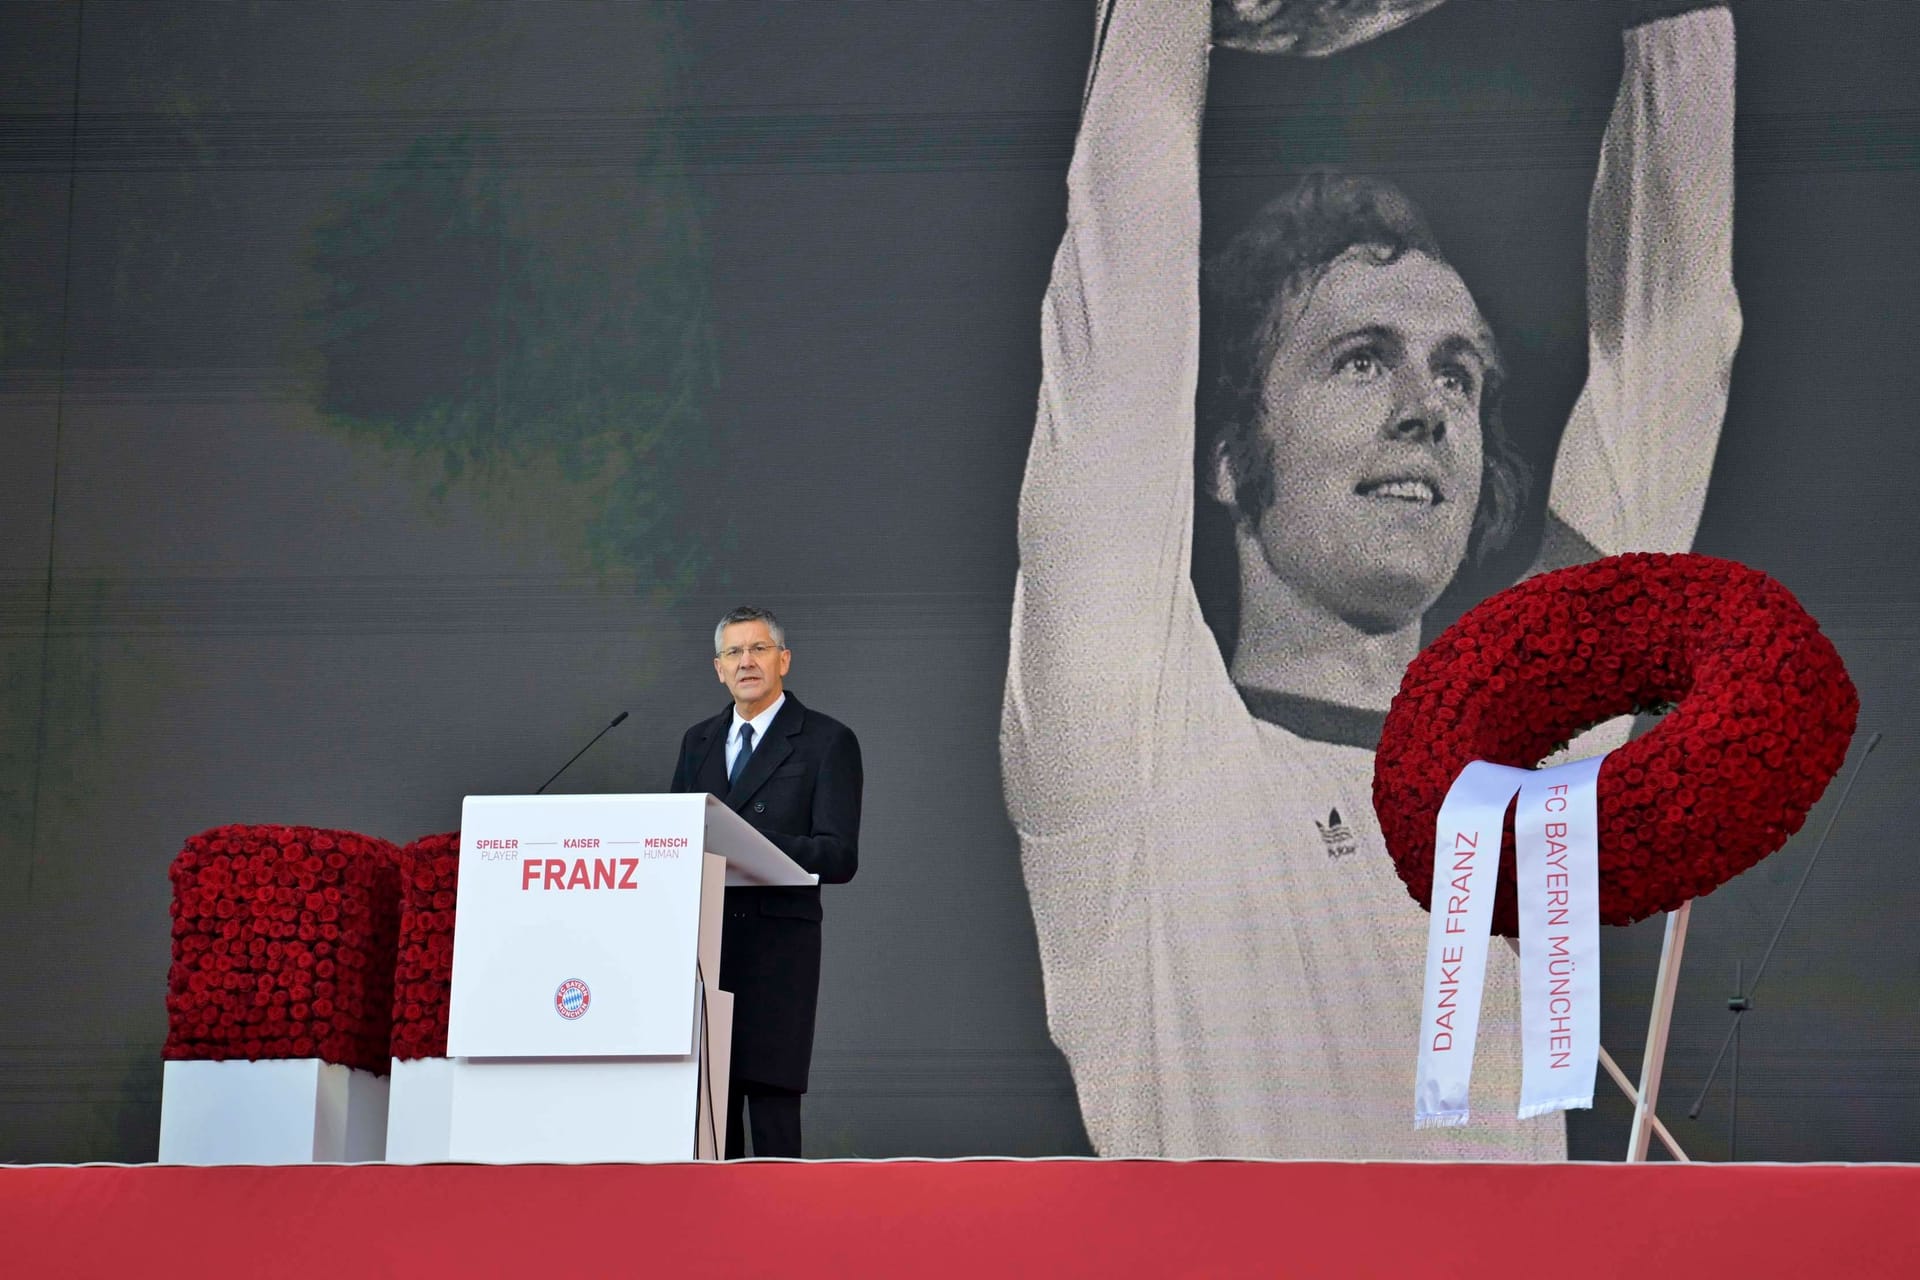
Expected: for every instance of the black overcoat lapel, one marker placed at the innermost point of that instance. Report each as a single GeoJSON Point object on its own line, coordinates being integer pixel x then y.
{"type": "Point", "coordinates": [710, 775]}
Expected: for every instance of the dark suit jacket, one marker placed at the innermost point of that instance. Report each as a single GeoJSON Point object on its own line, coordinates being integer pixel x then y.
{"type": "Point", "coordinates": [802, 791]}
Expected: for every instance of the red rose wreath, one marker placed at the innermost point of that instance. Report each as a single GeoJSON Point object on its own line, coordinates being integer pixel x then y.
{"type": "Point", "coordinates": [1761, 716]}
{"type": "Point", "coordinates": [283, 941]}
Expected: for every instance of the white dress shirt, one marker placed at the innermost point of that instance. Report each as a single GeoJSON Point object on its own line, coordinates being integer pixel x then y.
{"type": "Point", "coordinates": [760, 725]}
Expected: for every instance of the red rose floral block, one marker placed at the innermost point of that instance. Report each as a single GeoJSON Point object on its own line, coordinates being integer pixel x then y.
{"type": "Point", "coordinates": [423, 974]}
{"type": "Point", "coordinates": [283, 946]}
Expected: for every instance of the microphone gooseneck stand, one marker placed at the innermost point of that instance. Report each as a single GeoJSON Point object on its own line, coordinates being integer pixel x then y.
{"type": "Point", "coordinates": [582, 751]}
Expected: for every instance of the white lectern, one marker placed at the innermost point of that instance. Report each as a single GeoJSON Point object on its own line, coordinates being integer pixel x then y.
{"type": "Point", "coordinates": [586, 1022]}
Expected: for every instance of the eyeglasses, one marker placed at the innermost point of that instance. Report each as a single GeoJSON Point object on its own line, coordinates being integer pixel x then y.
{"type": "Point", "coordinates": [761, 652]}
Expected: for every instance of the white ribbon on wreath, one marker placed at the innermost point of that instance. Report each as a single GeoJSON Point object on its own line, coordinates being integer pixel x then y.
{"type": "Point", "coordinates": [1557, 866]}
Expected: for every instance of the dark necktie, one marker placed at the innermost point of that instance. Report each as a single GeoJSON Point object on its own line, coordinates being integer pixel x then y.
{"type": "Point", "coordinates": [740, 761]}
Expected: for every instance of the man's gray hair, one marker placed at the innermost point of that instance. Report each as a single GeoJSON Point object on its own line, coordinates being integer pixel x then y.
{"type": "Point", "coordinates": [747, 613]}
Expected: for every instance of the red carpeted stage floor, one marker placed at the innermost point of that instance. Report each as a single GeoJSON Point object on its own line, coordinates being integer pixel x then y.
{"type": "Point", "coordinates": [1058, 1217]}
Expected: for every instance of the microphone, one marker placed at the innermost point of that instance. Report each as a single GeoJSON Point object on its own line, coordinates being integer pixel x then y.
{"type": "Point", "coordinates": [582, 751]}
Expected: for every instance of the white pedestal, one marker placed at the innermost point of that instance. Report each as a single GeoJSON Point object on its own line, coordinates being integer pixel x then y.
{"type": "Point", "coordinates": [420, 1111]}
{"type": "Point", "coordinates": [284, 1111]}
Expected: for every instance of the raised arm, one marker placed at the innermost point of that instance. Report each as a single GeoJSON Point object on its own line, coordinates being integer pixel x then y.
{"type": "Point", "coordinates": [1663, 316]}
{"type": "Point", "coordinates": [1106, 509]}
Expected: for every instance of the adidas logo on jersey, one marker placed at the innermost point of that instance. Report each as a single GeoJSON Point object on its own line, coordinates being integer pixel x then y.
{"type": "Point", "coordinates": [1337, 835]}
